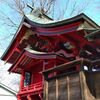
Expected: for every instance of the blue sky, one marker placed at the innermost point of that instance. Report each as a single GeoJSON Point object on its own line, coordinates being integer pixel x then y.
{"type": "Point", "coordinates": [92, 10]}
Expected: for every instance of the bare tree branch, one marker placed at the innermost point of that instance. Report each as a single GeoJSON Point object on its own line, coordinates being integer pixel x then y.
{"type": "Point", "coordinates": [73, 8]}
{"type": "Point", "coordinates": [9, 22]}
{"type": "Point", "coordinates": [6, 37]}
{"type": "Point", "coordinates": [20, 5]}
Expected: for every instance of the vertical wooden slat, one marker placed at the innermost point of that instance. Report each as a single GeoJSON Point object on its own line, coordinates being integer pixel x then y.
{"type": "Point", "coordinates": [81, 85]}
{"type": "Point", "coordinates": [62, 89]}
{"type": "Point", "coordinates": [46, 91]}
{"type": "Point", "coordinates": [68, 90]}
{"type": "Point", "coordinates": [52, 89]}
{"type": "Point", "coordinates": [74, 87]}
{"type": "Point", "coordinates": [56, 89]}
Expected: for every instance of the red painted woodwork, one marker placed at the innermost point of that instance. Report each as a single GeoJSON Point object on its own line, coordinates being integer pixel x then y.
{"type": "Point", "coordinates": [60, 29]}
{"type": "Point", "coordinates": [14, 44]}
{"type": "Point", "coordinates": [22, 80]}
{"type": "Point", "coordinates": [45, 48]}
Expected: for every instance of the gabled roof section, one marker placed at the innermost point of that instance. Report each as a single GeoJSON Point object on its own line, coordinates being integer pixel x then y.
{"type": "Point", "coordinates": [8, 89]}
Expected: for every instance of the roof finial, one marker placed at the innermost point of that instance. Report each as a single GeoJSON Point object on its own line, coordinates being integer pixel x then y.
{"type": "Point", "coordinates": [31, 7]}
{"type": "Point", "coordinates": [38, 12]}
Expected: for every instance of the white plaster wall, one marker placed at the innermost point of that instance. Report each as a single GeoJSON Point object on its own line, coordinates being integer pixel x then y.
{"type": "Point", "coordinates": [6, 95]}
{"type": "Point", "coordinates": [8, 98]}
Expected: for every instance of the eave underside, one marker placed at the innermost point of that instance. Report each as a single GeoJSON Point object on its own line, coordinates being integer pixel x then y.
{"type": "Point", "coordinates": [29, 58]}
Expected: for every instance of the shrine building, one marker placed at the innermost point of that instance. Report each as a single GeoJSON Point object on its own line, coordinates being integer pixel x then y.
{"type": "Point", "coordinates": [41, 44]}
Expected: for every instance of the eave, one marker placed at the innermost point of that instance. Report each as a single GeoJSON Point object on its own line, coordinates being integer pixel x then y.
{"type": "Point", "coordinates": [28, 56]}
{"type": "Point", "coordinates": [21, 26]}
{"type": "Point", "coordinates": [80, 17]}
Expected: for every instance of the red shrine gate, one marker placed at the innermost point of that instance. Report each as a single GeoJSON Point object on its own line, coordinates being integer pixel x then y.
{"type": "Point", "coordinates": [41, 44]}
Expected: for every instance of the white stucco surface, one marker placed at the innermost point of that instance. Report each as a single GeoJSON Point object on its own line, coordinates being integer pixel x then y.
{"type": "Point", "coordinates": [6, 94]}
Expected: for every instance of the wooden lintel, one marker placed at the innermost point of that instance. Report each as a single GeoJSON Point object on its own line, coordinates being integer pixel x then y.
{"type": "Point", "coordinates": [69, 65]}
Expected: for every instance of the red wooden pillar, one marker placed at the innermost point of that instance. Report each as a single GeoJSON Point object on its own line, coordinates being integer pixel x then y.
{"type": "Point", "coordinates": [29, 97]}
{"type": "Point", "coordinates": [18, 97]}
{"type": "Point", "coordinates": [22, 80]}
{"type": "Point", "coordinates": [41, 96]}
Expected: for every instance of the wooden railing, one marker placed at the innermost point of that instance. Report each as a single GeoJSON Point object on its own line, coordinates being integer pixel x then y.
{"type": "Point", "coordinates": [32, 87]}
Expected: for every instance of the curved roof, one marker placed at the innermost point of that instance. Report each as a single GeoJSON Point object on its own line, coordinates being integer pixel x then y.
{"type": "Point", "coordinates": [47, 24]}
{"type": "Point", "coordinates": [44, 22]}
{"type": "Point", "coordinates": [28, 53]}
{"type": "Point", "coordinates": [39, 55]}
